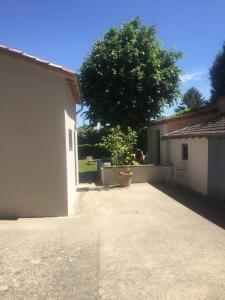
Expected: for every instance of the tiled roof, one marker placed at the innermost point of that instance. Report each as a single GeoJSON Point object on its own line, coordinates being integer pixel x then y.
{"type": "Point", "coordinates": [211, 128]}
{"type": "Point", "coordinates": [70, 76]}
{"type": "Point", "coordinates": [203, 111]}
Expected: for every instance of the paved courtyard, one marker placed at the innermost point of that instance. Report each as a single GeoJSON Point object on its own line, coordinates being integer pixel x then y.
{"type": "Point", "coordinates": [144, 242]}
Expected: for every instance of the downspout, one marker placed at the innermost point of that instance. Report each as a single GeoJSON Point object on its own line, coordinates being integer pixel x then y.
{"type": "Point", "coordinates": [76, 113]}
{"type": "Point", "coordinates": [77, 79]}
{"type": "Point", "coordinates": [81, 95]}
{"type": "Point", "coordinates": [76, 141]}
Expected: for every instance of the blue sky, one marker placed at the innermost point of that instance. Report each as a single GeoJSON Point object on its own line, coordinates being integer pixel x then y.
{"type": "Point", "coordinates": [63, 31]}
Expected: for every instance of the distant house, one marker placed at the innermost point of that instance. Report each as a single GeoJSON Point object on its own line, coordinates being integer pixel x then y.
{"type": "Point", "coordinates": [196, 144]}
{"type": "Point", "coordinates": [38, 144]}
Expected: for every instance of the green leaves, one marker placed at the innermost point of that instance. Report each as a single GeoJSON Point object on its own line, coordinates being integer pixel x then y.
{"type": "Point", "coordinates": [128, 77]}
{"type": "Point", "coordinates": [191, 100]}
{"type": "Point", "coordinates": [121, 145]}
{"type": "Point", "coordinates": [217, 76]}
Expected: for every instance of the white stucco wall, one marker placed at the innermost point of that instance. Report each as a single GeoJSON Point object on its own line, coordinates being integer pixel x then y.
{"type": "Point", "coordinates": [143, 173]}
{"type": "Point", "coordinates": [195, 175]}
{"type": "Point", "coordinates": [71, 155]}
{"type": "Point", "coordinates": [36, 170]}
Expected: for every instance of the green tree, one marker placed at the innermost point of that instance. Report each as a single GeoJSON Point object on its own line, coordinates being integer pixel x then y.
{"type": "Point", "coordinates": [142, 139]}
{"type": "Point", "coordinates": [128, 77]}
{"type": "Point", "coordinates": [88, 135]}
{"type": "Point", "coordinates": [217, 76]}
{"type": "Point", "coordinates": [192, 100]}
{"type": "Point", "coordinates": [121, 145]}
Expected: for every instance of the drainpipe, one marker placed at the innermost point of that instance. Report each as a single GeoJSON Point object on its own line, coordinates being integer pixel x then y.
{"type": "Point", "coordinates": [77, 112]}
{"type": "Point", "coordinates": [81, 95]}
{"type": "Point", "coordinates": [76, 141]}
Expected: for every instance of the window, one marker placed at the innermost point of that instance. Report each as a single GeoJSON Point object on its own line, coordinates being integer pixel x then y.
{"type": "Point", "coordinates": [70, 140]}
{"type": "Point", "coordinates": [184, 151]}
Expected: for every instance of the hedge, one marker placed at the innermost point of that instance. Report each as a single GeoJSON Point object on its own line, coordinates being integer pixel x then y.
{"type": "Point", "coordinates": [93, 150]}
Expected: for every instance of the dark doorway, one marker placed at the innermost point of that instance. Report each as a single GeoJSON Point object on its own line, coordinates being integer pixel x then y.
{"type": "Point", "coordinates": [216, 169]}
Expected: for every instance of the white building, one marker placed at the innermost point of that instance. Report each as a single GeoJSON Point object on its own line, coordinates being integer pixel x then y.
{"type": "Point", "coordinates": [38, 144]}
{"type": "Point", "coordinates": [200, 151]}
{"type": "Point", "coordinates": [194, 144]}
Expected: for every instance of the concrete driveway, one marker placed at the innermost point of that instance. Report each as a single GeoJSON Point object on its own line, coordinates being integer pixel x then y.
{"type": "Point", "coordinates": [144, 242]}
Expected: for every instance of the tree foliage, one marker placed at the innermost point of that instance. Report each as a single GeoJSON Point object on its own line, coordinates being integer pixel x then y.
{"type": "Point", "coordinates": [121, 145]}
{"type": "Point", "coordinates": [217, 76]}
{"type": "Point", "coordinates": [142, 139]}
{"type": "Point", "coordinates": [128, 77]}
{"type": "Point", "coordinates": [94, 150]}
{"type": "Point", "coordinates": [88, 135]}
{"type": "Point", "coordinates": [192, 100]}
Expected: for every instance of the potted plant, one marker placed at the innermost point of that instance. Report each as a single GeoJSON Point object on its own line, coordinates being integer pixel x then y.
{"type": "Point", "coordinates": [121, 146]}
{"type": "Point", "coordinates": [125, 177]}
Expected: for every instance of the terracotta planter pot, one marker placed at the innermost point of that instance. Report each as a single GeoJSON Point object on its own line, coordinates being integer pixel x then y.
{"type": "Point", "coordinates": [125, 178]}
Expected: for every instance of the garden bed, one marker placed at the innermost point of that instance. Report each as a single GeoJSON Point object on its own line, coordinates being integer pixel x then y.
{"type": "Point", "coordinates": [141, 173]}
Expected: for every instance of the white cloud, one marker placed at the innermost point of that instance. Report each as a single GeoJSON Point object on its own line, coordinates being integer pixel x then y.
{"type": "Point", "coordinates": [194, 75]}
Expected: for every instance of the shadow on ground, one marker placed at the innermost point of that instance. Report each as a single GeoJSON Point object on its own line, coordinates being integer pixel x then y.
{"type": "Point", "coordinates": [206, 207]}
{"type": "Point", "coordinates": [89, 177]}
{"type": "Point", "coordinates": [8, 218]}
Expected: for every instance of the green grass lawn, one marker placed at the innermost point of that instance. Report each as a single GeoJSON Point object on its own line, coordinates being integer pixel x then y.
{"type": "Point", "coordinates": [84, 167]}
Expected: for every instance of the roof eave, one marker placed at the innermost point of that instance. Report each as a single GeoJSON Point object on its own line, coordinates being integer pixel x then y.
{"type": "Point", "coordinates": [70, 76]}
{"type": "Point", "coordinates": [74, 88]}
{"type": "Point", "coordinates": [188, 136]}
{"type": "Point", "coordinates": [203, 111]}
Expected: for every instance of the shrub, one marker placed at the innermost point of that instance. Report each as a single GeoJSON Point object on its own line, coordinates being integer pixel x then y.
{"type": "Point", "coordinates": [89, 135]}
{"type": "Point", "coordinates": [94, 150]}
{"type": "Point", "coordinates": [121, 145]}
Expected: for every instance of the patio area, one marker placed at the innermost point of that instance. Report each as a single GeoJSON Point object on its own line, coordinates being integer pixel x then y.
{"type": "Point", "coordinates": [142, 242]}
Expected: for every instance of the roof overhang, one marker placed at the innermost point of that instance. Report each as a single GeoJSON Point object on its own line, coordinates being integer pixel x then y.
{"type": "Point", "coordinates": [191, 136]}
{"type": "Point", "coordinates": [213, 128]}
{"type": "Point", "coordinates": [70, 76]}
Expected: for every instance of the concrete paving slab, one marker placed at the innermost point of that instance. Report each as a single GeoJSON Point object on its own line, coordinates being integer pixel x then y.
{"type": "Point", "coordinates": [142, 242]}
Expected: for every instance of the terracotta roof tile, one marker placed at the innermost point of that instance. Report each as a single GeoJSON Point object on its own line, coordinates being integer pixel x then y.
{"type": "Point", "coordinates": [211, 128]}
{"type": "Point", "coordinates": [25, 56]}
{"type": "Point", "coordinates": [203, 111]}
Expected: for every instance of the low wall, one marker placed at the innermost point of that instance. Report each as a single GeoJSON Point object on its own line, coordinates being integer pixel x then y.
{"type": "Point", "coordinates": [143, 173]}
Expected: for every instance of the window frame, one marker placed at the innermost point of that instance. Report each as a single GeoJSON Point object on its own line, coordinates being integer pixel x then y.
{"type": "Point", "coordinates": [184, 152]}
